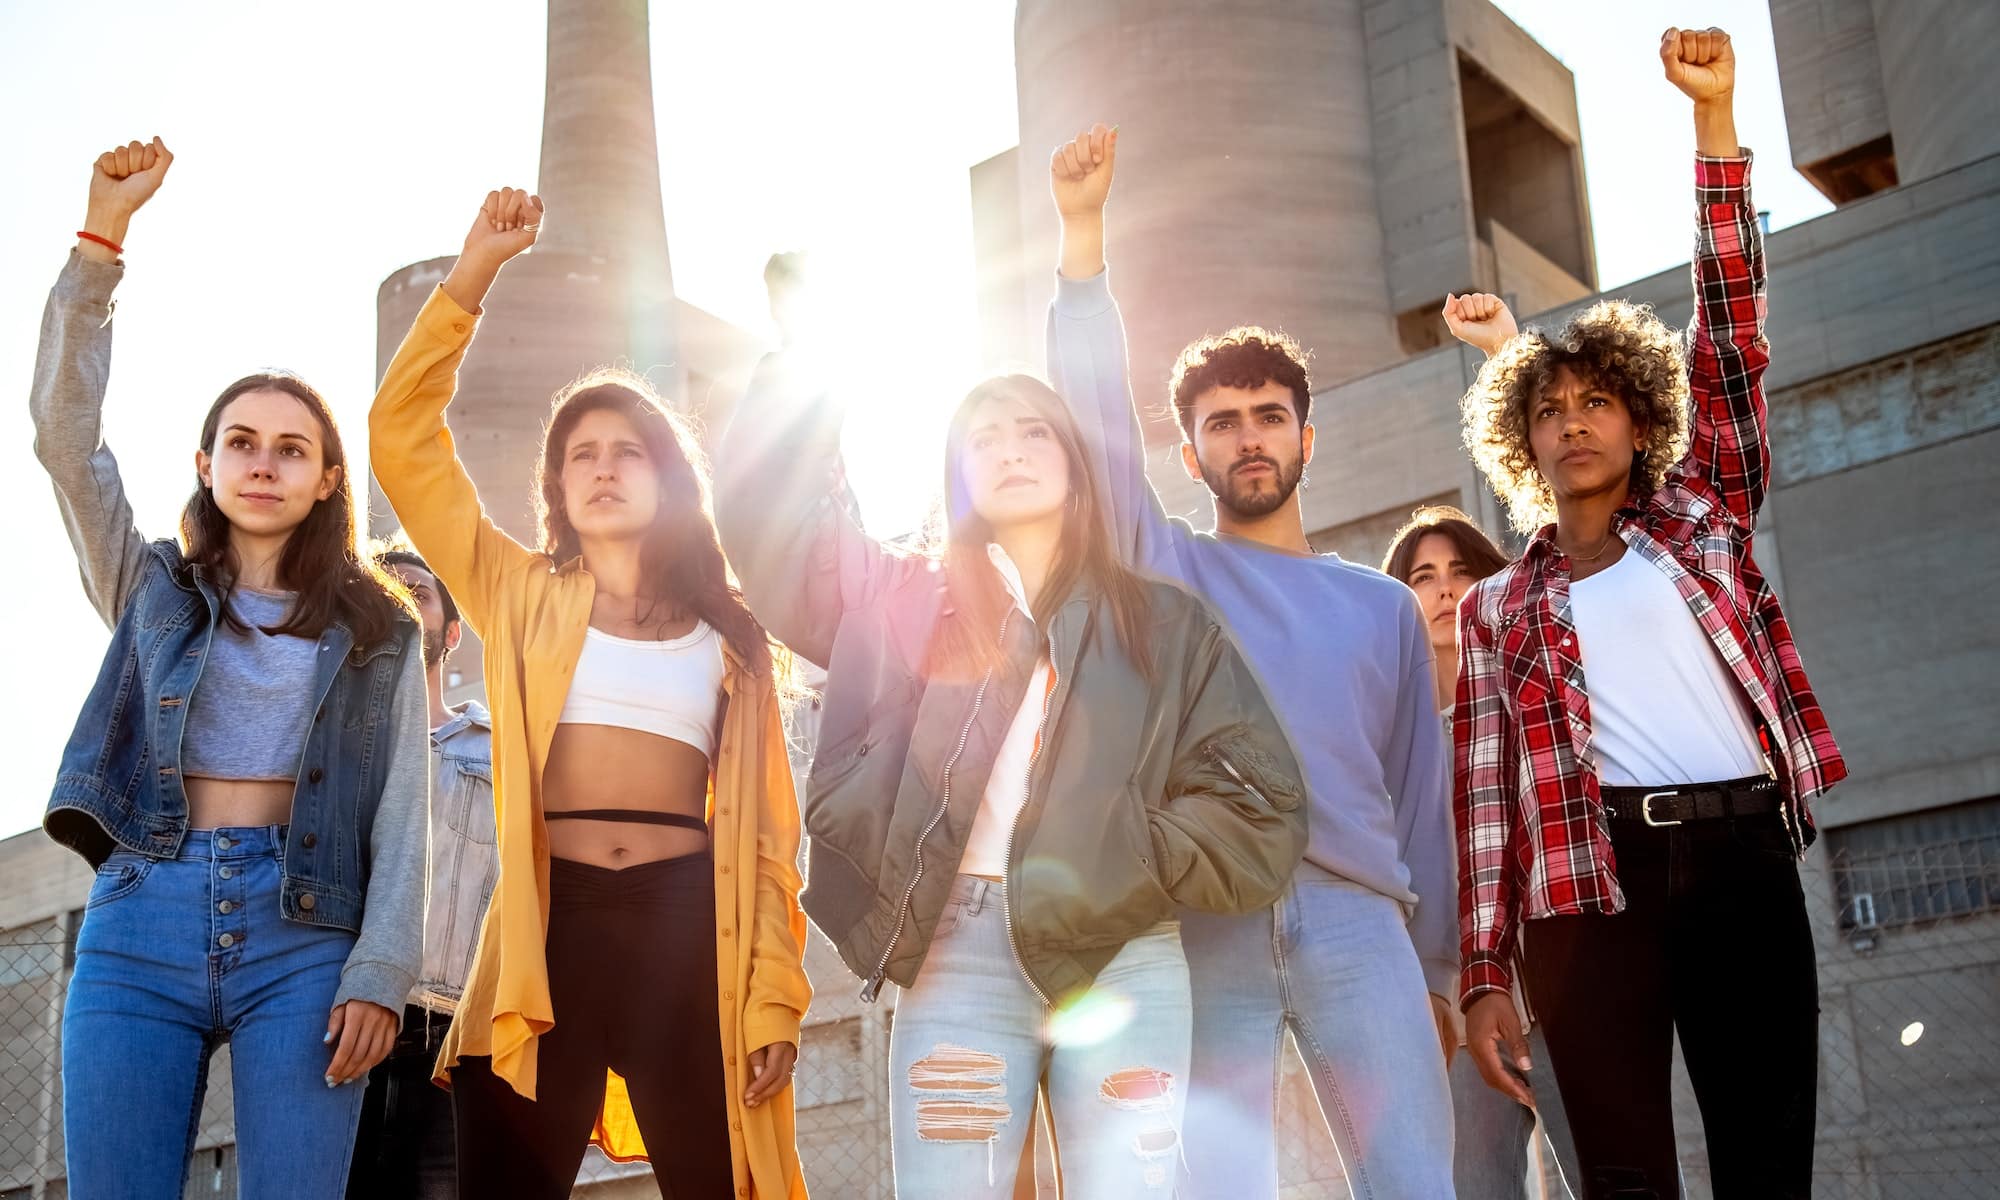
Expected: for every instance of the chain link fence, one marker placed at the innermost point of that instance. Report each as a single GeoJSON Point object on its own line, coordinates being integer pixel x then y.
{"type": "Point", "coordinates": [1909, 946]}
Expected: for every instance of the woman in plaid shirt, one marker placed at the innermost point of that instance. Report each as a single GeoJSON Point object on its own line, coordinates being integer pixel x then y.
{"type": "Point", "coordinates": [1636, 741]}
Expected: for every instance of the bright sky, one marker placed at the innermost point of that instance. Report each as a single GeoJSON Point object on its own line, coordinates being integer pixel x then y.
{"type": "Point", "coordinates": [322, 147]}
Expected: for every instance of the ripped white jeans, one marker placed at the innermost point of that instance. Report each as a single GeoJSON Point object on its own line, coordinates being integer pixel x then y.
{"type": "Point", "coordinates": [971, 1042]}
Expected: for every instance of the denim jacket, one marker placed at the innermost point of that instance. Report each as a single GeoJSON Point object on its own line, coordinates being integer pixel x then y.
{"type": "Point", "coordinates": [354, 851]}
{"type": "Point", "coordinates": [465, 858]}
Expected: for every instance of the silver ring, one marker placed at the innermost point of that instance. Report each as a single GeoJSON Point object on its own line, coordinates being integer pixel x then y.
{"type": "Point", "coordinates": [535, 228]}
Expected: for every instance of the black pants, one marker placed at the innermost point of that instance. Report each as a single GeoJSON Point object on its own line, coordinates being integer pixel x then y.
{"type": "Point", "coordinates": [404, 1148]}
{"type": "Point", "coordinates": [631, 961]}
{"type": "Point", "coordinates": [1713, 944]}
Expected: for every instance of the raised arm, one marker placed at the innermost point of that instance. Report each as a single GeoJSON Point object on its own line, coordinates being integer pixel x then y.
{"type": "Point", "coordinates": [1087, 360]}
{"type": "Point", "coordinates": [782, 508]}
{"type": "Point", "coordinates": [72, 366]}
{"type": "Point", "coordinates": [410, 447]}
{"type": "Point", "coordinates": [1727, 352]}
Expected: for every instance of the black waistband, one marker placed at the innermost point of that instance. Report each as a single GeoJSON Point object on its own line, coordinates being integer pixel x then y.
{"type": "Point", "coordinates": [630, 816]}
{"type": "Point", "coordinates": [1751, 796]}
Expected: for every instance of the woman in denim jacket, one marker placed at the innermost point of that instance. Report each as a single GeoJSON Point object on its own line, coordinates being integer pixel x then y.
{"type": "Point", "coordinates": [249, 774]}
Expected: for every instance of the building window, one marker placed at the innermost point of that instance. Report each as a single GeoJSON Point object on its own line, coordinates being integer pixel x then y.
{"type": "Point", "coordinates": [1916, 869]}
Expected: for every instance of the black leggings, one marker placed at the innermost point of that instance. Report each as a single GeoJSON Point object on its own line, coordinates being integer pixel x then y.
{"type": "Point", "coordinates": [631, 962]}
{"type": "Point", "coordinates": [1713, 945]}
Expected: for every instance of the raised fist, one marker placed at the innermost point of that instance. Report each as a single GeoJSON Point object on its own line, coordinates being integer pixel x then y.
{"type": "Point", "coordinates": [125, 178]}
{"type": "Point", "coordinates": [1480, 320]}
{"type": "Point", "coordinates": [508, 223]}
{"type": "Point", "coordinates": [1700, 62]}
{"type": "Point", "coordinates": [1080, 172]}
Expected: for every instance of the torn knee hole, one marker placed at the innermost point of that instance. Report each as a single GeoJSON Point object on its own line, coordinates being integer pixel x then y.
{"type": "Point", "coordinates": [959, 1092]}
{"type": "Point", "coordinates": [1142, 1089]}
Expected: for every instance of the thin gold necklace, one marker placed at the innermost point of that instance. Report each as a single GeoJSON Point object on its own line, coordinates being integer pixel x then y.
{"type": "Point", "coordinates": [1599, 552]}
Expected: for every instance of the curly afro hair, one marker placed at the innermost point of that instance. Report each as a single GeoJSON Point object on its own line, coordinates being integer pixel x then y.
{"type": "Point", "coordinates": [1615, 345]}
{"type": "Point", "coordinates": [1248, 356]}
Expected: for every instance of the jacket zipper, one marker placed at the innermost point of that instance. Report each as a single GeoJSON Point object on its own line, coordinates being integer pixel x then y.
{"type": "Point", "coordinates": [1230, 767]}
{"type": "Point", "coordinates": [873, 987]}
{"type": "Point", "coordinates": [1027, 792]}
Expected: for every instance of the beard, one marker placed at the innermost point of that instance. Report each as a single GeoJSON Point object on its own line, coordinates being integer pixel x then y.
{"type": "Point", "coordinates": [1250, 497]}
{"type": "Point", "coordinates": [434, 647]}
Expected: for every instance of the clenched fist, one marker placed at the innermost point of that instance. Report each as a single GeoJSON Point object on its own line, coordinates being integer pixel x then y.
{"type": "Point", "coordinates": [508, 223]}
{"type": "Point", "coordinates": [1700, 62]}
{"type": "Point", "coordinates": [1080, 172]}
{"type": "Point", "coordinates": [125, 178]}
{"type": "Point", "coordinates": [1480, 320]}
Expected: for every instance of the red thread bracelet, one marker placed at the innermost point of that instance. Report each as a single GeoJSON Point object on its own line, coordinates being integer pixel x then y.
{"type": "Point", "coordinates": [107, 243]}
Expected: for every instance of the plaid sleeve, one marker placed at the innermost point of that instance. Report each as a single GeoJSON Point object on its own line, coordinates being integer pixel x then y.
{"type": "Point", "coordinates": [1483, 778]}
{"type": "Point", "coordinates": [1727, 352]}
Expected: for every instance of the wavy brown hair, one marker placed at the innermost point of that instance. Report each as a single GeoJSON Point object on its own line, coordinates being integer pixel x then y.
{"type": "Point", "coordinates": [681, 557]}
{"type": "Point", "coordinates": [1248, 356]}
{"type": "Point", "coordinates": [323, 562]}
{"type": "Point", "coordinates": [1475, 549]}
{"type": "Point", "coordinates": [966, 641]}
{"type": "Point", "coordinates": [1615, 345]}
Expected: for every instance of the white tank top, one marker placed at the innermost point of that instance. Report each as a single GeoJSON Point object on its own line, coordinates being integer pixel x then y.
{"type": "Point", "coordinates": [672, 689]}
{"type": "Point", "coordinates": [1664, 708]}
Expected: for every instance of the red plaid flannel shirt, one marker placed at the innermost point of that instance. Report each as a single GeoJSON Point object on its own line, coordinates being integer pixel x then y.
{"type": "Point", "coordinates": [1532, 840]}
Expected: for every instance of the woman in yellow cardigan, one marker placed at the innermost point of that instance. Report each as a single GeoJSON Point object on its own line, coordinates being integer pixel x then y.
{"type": "Point", "coordinates": [648, 831]}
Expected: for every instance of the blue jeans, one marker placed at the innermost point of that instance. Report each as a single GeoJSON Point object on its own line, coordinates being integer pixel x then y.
{"type": "Point", "coordinates": [1490, 1161]}
{"type": "Point", "coordinates": [1333, 961]}
{"type": "Point", "coordinates": [175, 957]}
{"type": "Point", "coordinates": [971, 1042]}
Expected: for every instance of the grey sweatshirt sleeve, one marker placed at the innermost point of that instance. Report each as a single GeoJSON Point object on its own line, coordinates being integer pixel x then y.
{"type": "Point", "coordinates": [72, 366]}
{"type": "Point", "coordinates": [1088, 367]}
{"type": "Point", "coordinates": [383, 965]}
{"type": "Point", "coordinates": [1419, 778]}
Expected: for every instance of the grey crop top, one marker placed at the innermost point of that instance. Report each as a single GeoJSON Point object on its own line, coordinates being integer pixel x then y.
{"type": "Point", "coordinates": [252, 706]}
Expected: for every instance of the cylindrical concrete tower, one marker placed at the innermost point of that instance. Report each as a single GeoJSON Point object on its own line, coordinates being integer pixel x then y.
{"type": "Point", "coordinates": [597, 289]}
{"type": "Point", "coordinates": [1246, 190]}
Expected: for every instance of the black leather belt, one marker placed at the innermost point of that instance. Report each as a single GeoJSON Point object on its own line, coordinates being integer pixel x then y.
{"type": "Point", "coordinates": [1747, 797]}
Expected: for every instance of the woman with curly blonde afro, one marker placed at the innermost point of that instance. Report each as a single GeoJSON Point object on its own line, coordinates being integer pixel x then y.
{"type": "Point", "coordinates": [1635, 739]}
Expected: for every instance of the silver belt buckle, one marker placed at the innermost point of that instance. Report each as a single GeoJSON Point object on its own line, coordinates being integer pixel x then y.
{"type": "Point", "coordinates": [1646, 808]}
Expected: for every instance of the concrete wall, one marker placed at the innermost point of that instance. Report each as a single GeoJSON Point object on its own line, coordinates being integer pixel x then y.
{"type": "Point", "coordinates": [1938, 78]}
{"type": "Point", "coordinates": [1830, 74]}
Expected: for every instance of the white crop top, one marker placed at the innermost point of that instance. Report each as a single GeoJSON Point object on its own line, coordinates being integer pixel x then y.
{"type": "Point", "coordinates": [672, 689]}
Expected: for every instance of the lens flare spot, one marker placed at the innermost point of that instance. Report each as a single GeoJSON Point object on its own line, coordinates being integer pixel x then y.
{"type": "Point", "coordinates": [1090, 1018]}
{"type": "Point", "coordinates": [1912, 1032]}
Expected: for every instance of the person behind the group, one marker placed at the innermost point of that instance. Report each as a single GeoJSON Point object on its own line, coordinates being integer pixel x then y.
{"type": "Point", "coordinates": [1440, 554]}
{"type": "Point", "coordinates": [1359, 955]}
{"type": "Point", "coordinates": [405, 1147]}
{"type": "Point", "coordinates": [1028, 758]}
{"type": "Point", "coordinates": [1637, 742]}
{"type": "Point", "coordinates": [640, 970]}
{"type": "Point", "coordinates": [248, 774]}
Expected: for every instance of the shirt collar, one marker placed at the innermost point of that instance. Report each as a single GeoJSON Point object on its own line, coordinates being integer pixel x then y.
{"type": "Point", "coordinates": [1011, 576]}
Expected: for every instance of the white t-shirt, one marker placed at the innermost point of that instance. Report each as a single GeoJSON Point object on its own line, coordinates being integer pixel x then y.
{"type": "Point", "coordinates": [1007, 787]}
{"type": "Point", "coordinates": [1664, 709]}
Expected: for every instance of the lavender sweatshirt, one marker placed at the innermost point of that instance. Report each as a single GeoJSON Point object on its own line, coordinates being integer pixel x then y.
{"type": "Point", "coordinates": [1340, 649]}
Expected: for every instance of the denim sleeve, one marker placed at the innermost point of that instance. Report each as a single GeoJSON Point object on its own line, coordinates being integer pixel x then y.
{"type": "Point", "coordinates": [72, 367]}
{"type": "Point", "coordinates": [383, 965]}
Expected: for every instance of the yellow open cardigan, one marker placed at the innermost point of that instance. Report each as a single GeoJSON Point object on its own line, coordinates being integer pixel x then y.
{"type": "Point", "coordinates": [531, 615]}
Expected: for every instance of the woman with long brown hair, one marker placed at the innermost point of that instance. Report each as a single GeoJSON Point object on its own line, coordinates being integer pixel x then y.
{"type": "Point", "coordinates": [639, 980]}
{"type": "Point", "coordinates": [248, 775]}
{"type": "Point", "coordinates": [1029, 758]}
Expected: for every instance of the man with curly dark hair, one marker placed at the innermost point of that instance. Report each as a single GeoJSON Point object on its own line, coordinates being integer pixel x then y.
{"type": "Point", "coordinates": [1360, 953]}
{"type": "Point", "coordinates": [1636, 739]}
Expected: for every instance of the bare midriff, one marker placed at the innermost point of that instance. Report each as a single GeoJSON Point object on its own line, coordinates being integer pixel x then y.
{"type": "Point", "coordinates": [236, 803]}
{"type": "Point", "coordinates": [605, 766]}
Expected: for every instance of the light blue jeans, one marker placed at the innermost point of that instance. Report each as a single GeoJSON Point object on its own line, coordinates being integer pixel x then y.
{"type": "Point", "coordinates": [971, 1041]}
{"type": "Point", "coordinates": [1333, 961]}
{"type": "Point", "coordinates": [1493, 1130]}
{"type": "Point", "coordinates": [175, 957]}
